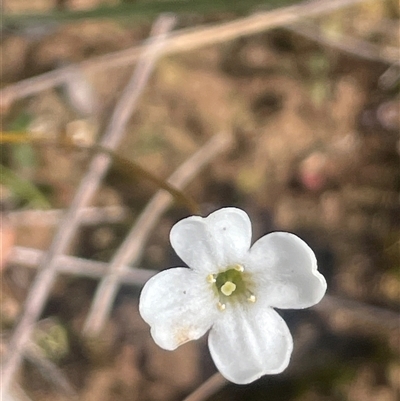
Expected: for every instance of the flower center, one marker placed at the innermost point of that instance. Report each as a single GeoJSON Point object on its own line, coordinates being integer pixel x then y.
{"type": "Point", "coordinates": [230, 285]}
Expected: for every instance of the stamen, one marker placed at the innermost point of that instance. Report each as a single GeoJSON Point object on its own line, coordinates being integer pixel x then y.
{"type": "Point", "coordinates": [228, 288]}
{"type": "Point", "coordinates": [211, 279]}
{"type": "Point", "coordinates": [252, 298]}
{"type": "Point", "coordinates": [220, 306]}
{"type": "Point", "coordinates": [239, 268]}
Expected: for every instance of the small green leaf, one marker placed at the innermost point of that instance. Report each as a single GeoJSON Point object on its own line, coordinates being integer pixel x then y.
{"type": "Point", "coordinates": [52, 339]}
{"type": "Point", "coordinates": [23, 156]}
{"type": "Point", "coordinates": [21, 122]}
{"type": "Point", "coordinates": [23, 188]}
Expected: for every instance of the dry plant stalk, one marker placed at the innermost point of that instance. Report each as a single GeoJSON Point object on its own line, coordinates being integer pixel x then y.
{"type": "Point", "coordinates": [50, 371]}
{"type": "Point", "coordinates": [374, 315]}
{"type": "Point", "coordinates": [181, 41]}
{"type": "Point", "coordinates": [89, 216]}
{"type": "Point", "coordinates": [47, 274]}
{"type": "Point", "coordinates": [78, 267]}
{"type": "Point", "coordinates": [135, 276]}
{"type": "Point", "coordinates": [348, 44]}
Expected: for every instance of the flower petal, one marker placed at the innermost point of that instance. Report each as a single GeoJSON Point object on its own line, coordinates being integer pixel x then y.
{"type": "Point", "coordinates": [247, 342]}
{"type": "Point", "coordinates": [285, 272]}
{"type": "Point", "coordinates": [194, 244]}
{"type": "Point", "coordinates": [217, 241]}
{"type": "Point", "coordinates": [179, 306]}
{"type": "Point", "coordinates": [231, 229]}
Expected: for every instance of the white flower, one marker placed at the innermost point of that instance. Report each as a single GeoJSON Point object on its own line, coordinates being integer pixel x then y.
{"type": "Point", "coordinates": [232, 288]}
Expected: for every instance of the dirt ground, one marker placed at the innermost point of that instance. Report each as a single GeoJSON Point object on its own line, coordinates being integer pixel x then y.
{"type": "Point", "coordinates": [315, 152]}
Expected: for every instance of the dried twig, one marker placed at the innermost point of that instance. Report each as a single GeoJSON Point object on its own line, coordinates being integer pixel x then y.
{"type": "Point", "coordinates": [89, 216]}
{"type": "Point", "coordinates": [208, 388]}
{"type": "Point", "coordinates": [47, 273]}
{"type": "Point", "coordinates": [181, 41]}
{"type": "Point", "coordinates": [348, 44]}
{"type": "Point", "coordinates": [377, 316]}
{"type": "Point", "coordinates": [49, 370]}
{"type": "Point", "coordinates": [78, 266]}
{"type": "Point", "coordinates": [16, 394]}
{"type": "Point", "coordinates": [131, 249]}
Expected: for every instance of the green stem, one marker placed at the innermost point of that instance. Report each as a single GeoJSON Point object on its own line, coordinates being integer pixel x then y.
{"type": "Point", "coordinates": [146, 9]}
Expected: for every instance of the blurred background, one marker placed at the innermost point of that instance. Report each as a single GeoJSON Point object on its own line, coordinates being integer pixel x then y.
{"type": "Point", "coordinates": [312, 110]}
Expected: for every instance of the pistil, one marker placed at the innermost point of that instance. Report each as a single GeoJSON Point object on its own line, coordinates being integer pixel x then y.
{"type": "Point", "coordinates": [228, 288]}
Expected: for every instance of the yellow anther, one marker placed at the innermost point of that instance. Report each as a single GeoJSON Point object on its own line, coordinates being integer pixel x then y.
{"type": "Point", "coordinates": [252, 298]}
{"type": "Point", "coordinates": [228, 288]}
{"type": "Point", "coordinates": [239, 268]}
{"type": "Point", "coordinates": [221, 307]}
{"type": "Point", "coordinates": [211, 279]}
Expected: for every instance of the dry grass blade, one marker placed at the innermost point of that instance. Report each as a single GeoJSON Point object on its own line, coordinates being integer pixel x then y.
{"type": "Point", "coordinates": [348, 44]}
{"type": "Point", "coordinates": [131, 249]}
{"type": "Point", "coordinates": [185, 40]}
{"type": "Point", "coordinates": [45, 278]}
{"type": "Point", "coordinates": [89, 216]}
{"type": "Point", "coordinates": [50, 371]}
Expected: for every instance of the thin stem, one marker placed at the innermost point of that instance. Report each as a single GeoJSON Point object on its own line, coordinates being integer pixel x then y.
{"type": "Point", "coordinates": [131, 249]}
{"type": "Point", "coordinates": [138, 10]}
{"type": "Point", "coordinates": [208, 388]}
{"type": "Point", "coordinates": [47, 274]}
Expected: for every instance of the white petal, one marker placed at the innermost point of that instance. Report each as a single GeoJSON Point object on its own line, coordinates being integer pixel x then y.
{"type": "Point", "coordinates": [217, 241]}
{"type": "Point", "coordinates": [285, 272]}
{"type": "Point", "coordinates": [194, 244]}
{"type": "Point", "coordinates": [248, 342]}
{"type": "Point", "coordinates": [231, 229]}
{"type": "Point", "coordinates": [179, 305]}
